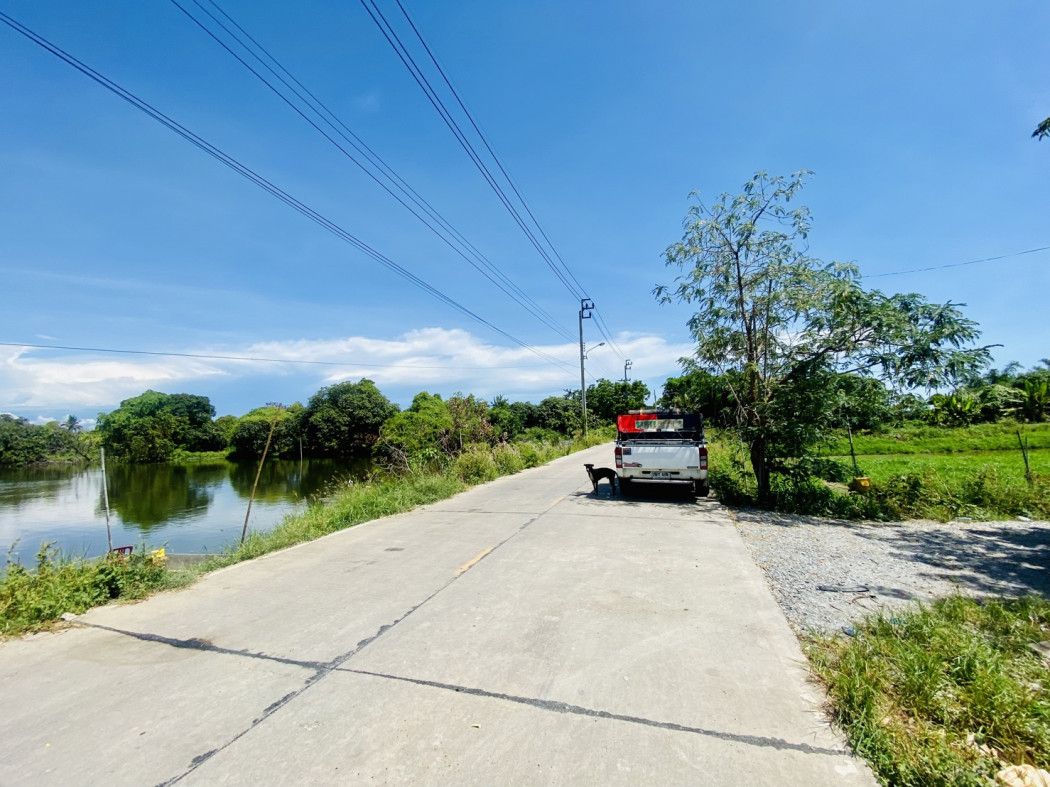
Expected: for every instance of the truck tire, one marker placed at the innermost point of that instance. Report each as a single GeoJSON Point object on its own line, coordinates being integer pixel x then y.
{"type": "Point", "coordinates": [703, 488]}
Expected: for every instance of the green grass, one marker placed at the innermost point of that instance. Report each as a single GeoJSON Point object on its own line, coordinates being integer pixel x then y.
{"type": "Point", "coordinates": [953, 468]}
{"type": "Point", "coordinates": [944, 695]}
{"type": "Point", "coordinates": [926, 439]}
{"type": "Point", "coordinates": [914, 481]}
{"type": "Point", "coordinates": [31, 600]}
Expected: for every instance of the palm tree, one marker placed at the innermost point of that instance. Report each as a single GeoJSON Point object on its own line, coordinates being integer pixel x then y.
{"type": "Point", "coordinates": [72, 425]}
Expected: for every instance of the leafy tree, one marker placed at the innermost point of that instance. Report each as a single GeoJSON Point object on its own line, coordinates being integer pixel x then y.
{"type": "Point", "coordinates": [149, 427]}
{"type": "Point", "coordinates": [23, 443]}
{"type": "Point", "coordinates": [861, 402]}
{"type": "Point", "coordinates": [1042, 130]}
{"type": "Point", "coordinates": [248, 439]}
{"type": "Point", "coordinates": [511, 418]}
{"type": "Point", "coordinates": [415, 436]}
{"type": "Point", "coordinates": [225, 426]}
{"type": "Point", "coordinates": [1035, 399]}
{"type": "Point", "coordinates": [559, 414]}
{"type": "Point", "coordinates": [72, 425]}
{"type": "Point", "coordinates": [786, 323]}
{"type": "Point", "coordinates": [344, 419]}
{"type": "Point", "coordinates": [607, 399]}
{"type": "Point", "coordinates": [470, 424]}
{"type": "Point", "coordinates": [700, 391]}
{"type": "Point", "coordinates": [959, 408]}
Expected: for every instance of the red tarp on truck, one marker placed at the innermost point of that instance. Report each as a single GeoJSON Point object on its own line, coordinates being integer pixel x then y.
{"type": "Point", "coordinates": [656, 422]}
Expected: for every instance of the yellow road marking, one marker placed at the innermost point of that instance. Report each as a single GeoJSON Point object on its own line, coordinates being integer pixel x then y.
{"type": "Point", "coordinates": [470, 563]}
{"type": "Point", "coordinates": [558, 500]}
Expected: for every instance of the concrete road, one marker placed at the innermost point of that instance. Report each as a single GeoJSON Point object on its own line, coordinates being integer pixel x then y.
{"type": "Point", "coordinates": [525, 632]}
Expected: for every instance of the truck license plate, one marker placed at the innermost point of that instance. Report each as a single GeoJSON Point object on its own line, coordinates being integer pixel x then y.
{"type": "Point", "coordinates": [661, 475]}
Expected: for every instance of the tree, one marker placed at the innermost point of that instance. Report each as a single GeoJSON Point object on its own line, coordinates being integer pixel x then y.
{"type": "Point", "coordinates": [559, 414]}
{"type": "Point", "coordinates": [607, 399]}
{"type": "Point", "coordinates": [344, 419]}
{"type": "Point", "coordinates": [781, 325]}
{"type": "Point", "coordinates": [151, 426]}
{"type": "Point", "coordinates": [72, 425]}
{"type": "Point", "coordinates": [1042, 130]}
{"type": "Point", "coordinates": [700, 391]}
{"type": "Point", "coordinates": [249, 434]}
{"type": "Point", "coordinates": [511, 418]}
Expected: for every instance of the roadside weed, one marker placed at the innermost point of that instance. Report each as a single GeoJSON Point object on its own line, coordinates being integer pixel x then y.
{"type": "Point", "coordinates": [946, 694]}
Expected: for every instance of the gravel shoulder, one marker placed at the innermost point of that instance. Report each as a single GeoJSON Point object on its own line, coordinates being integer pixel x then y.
{"type": "Point", "coordinates": [868, 567]}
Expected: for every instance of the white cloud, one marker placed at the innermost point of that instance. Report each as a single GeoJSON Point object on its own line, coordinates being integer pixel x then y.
{"type": "Point", "coordinates": [87, 380]}
{"type": "Point", "coordinates": [433, 359]}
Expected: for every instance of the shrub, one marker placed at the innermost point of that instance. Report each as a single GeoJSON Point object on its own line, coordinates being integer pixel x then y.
{"type": "Point", "coordinates": [31, 599]}
{"type": "Point", "coordinates": [508, 459]}
{"type": "Point", "coordinates": [475, 466]}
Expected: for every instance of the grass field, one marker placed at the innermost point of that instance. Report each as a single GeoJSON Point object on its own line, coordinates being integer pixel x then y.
{"type": "Point", "coordinates": [955, 467]}
{"type": "Point", "coordinates": [926, 439]}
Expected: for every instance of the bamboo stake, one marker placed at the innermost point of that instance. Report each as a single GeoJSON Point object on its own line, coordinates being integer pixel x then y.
{"type": "Point", "coordinates": [1024, 452]}
{"type": "Point", "coordinates": [248, 513]}
{"type": "Point", "coordinates": [852, 454]}
{"type": "Point", "coordinates": [105, 496]}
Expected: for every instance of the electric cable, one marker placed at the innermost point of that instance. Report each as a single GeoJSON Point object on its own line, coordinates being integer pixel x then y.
{"type": "Point", "coordinates": [958, 264]}
{"type": "Point", "coordinates": [435, 100]}
{"type": "Point", "coordinates": [517, 295]}
{"type": "Point", "coordinates": [488, 147]}
{"type": "Point", "coordinates": [266, 185]}
{"type": "Point", "coordinates": [431, 93]}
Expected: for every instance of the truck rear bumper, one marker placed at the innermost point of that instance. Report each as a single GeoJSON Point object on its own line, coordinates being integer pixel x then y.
{"type": "Point", "coordinates": [643, 480]}
{"type": "Point", "coordinates": [661, 476]}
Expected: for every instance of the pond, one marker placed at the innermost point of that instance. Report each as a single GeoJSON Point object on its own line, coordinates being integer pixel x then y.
{"type": "Point", "coordinates": [195, 508]}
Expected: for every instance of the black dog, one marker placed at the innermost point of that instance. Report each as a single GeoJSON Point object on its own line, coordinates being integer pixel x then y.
{"type": "Point", "coordinates": [597, 474]}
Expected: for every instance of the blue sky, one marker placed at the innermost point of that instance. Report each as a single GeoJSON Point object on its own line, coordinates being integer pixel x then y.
{"type": "Point", "coordinates": [115, 233]}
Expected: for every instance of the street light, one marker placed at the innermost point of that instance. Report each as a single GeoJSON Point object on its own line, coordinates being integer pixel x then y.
{"type": "Point", "coordinates": [595, 347]}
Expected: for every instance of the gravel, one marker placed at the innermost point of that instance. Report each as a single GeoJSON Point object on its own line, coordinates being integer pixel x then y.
{"type": "Point", "coordinates": [828, 573]}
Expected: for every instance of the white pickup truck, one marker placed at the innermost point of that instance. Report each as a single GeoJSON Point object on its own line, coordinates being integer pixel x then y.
{"type": "Point", "coordinates": [662, 447]}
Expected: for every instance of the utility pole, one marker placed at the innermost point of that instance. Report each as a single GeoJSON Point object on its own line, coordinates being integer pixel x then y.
{"type": "Point", "coordinates": [586, 307]}
{"type": "Point", "coordinates": [626, 365]}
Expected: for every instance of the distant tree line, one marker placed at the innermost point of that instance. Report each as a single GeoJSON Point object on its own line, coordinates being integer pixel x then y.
{"type": "Point", "coordinates": [866, 403]}
{"type": "Point", "coordinates": [23, 443]}
{"type": "Point", "coordinates": [342, 420]}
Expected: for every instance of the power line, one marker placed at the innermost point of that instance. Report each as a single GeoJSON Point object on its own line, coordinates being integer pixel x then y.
{"type": "Point", "coordinates": [266, 185]}
{"type": "Point", "coordinates": [420, 78]}
{"type": "Point", "coordinates": [959, 264]}
{"type": "Point", "coordinates": [489, 269]}
{"type": "Point", "coordinates": [390, 34]}
{"type": "Point", "coordinates": [259, 360]}
{"type": "Point", "coordinates": [485, 142]}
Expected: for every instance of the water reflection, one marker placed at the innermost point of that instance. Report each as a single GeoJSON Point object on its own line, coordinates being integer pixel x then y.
{"type": "Point", "coordinates": [188, 507]}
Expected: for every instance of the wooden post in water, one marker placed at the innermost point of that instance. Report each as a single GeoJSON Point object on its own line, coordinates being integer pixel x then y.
{"type": "Point", "coordinates": [105, 496]}
{"type": "Point", "coordinates": [269, 437]}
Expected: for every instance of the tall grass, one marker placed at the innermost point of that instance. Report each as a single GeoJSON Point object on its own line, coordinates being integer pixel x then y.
{"type": "Point", "coordinates": [947, 694]}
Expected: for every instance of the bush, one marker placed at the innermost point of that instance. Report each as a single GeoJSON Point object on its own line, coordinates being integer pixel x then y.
{"type": "Point", "coordinates": [530, 457]}
{"type": "Point", "coordinates": [508, 459]}
{"type": "Point", "coordinates": [475, 466]}
{"type": "Point", "coordinates": [29, 600]}
{"type": "Point", "coordinates": [536, 434]}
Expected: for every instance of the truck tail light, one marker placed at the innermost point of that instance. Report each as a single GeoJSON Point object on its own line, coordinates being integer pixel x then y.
{"type": "Point", "coordinates": [703, 458]}
{"type": "Point", "coordinates": [619, 457]}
